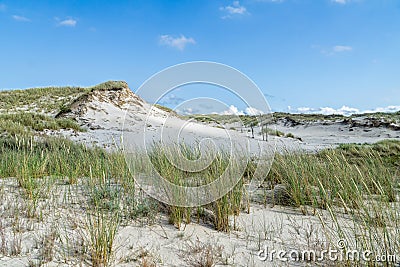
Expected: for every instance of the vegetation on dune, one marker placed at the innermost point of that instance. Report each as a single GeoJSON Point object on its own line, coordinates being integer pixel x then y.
{"type": "Point", "coordinates": [274, 132]}
{"type": "Point", "coordinates": [166, 109]}
{"type": "Point", "coordinates": [388, 151]}
{"type": "Point", "coordinates": [26, 112]}
{"type": "Point", "coordinates": [230, 204]}
{"type": "Point", "coordinates": [295, 117]}
{"type": "Point", "coordinates": [53, 156]}
{"type": "Point", "coordinates": [344, 174]}
{"type": "Point", "coordinates": [361, 182]}
{"type": "Point", "coordinates": [393, 117]}
{"type": "Point", "coordinates": [244, 119]}
{"type": "Point", "coordinates": [46, 99]}
{"type": "Point", "coordinates": [27, 122]}
{"type": "Point", "coordinates": [109, 85]}
{"type": "Point", "coordinates": [49, 99]}
{"type": "Point", "coordinates": [307, 117]}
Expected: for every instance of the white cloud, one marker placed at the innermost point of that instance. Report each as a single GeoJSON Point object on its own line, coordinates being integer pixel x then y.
{"type": "Point", "coordinates": [233, 110]}
{"type": "Point", "coordinates": [343, 2]}
{"type": "Point", "coordinates": [342, 48]}
{"type": "Point", "coordinates": [171, 100]}
{"type": "Point", "coordinates": [234, 9]}
{"type": "Point", "coordinates": [20, 18]}
{"type": "Point", "coordinates": [67, 22]}
{"type": "Point", "coordinates": [176, 42]}
{"type": "Point", "coordinates": [187, 111]}
{"type": "Point", "coordinates": [253, 111]}
{"type": "Point", "coordinates": [344, 110]}
{"type": "Point", "coordinates": [383, 109]}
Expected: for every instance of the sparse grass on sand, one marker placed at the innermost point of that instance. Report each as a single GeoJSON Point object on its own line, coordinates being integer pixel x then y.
{"type": "Point", "coordinates": [361, 182]}
{"type": "Point", "coordinates": [49, 99]}
{"type": "Point", "coordinates": [25, 123]}
{"type": "Point", "coordinates": [356, 182]}
{"type": "Point", "coordinates": [297, 118]}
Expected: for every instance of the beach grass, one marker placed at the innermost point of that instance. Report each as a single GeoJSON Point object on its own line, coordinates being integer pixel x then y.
{"type": "Point", "coordinates": [357, 181]}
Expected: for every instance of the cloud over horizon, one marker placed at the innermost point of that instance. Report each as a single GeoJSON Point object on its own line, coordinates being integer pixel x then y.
{"type": "Point", "coordinates": [176, 42]}
{"type": "Point", "coordinates": [344, 110]}
{"type": "Point", "coordinates": [233, 110]}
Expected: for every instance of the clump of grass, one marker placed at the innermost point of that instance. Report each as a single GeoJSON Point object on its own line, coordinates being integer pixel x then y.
{"type": "Point", "coordinates": [47, 99]}
{"type": "Point", "coordinates": [166, 109]}
{"type": "Point", "coordinates": [104, 193]}
{"type": "Point", "coordinates": [289, 135]}
{"type": "Point", "coordinates": [307, 117]}
{"type": "Point", "coordinates": [23, 123]}
{"type": "Point", "coordinates": [320, 179]}
{"type": "Point", "coordinates": [50, 99]}
{"type": "Point", "coordinates": [31, 158]}
{"type": "Point", "coordinates": [48, 246]}
{"type": "Point", "coordinates": [201, 254]}
{"type": "Point", "coordinates": [13, 128]}
{"type": "Point", "coordinates": [139, 208]}
{"type": "Point", "coordinates": [16, 245]}
{"type": "Point", "coordinates": [217, 164]}
{"type": "Point", "coordinates": [274, 132]}
{"type": "Point", "coordinates": [109, 85]}
{"type": "Point", "coordinates": [358, 180]}
{"type": "Point", "coordinates": [102, 228]}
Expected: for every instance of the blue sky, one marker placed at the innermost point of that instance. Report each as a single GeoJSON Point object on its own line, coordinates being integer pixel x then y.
{"type": "Point", "coordinates": [307, 54]}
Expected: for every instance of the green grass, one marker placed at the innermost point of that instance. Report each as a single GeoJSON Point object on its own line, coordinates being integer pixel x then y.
{"type": "Point", "coordinates": [102, 229]}
{"type": "Point", "coordinates": [244, 119]}
{"type": "Point", "coordinates": [166, 109]}
{"type": "Point", "coordinates": [109, 85]}
{"type": "Point", "coordinates": [393, 117]}
{"type": "Point", "coordinates": [358, 181]}
{"type": "Point", "coordinates": [274, 132]}
{"type": "Point", "coordinates": [307, 117]}
{"type": "Point", "coordinates": [300, 118]}
{"type": "Point", "coordinates": [222, 208]}
{"type": "Point", "coordinates": [27, 122]}
{"type": "Point", "coordinates": [60, 157]}
{"type": "Point", "coordinates": [388, 150]}
{"type": "Point", "coordinates": [28, 112]}
{"type": "Point", "coordinates": [49, 99]}
{"type": "Point", "coordinates": [332, 175]}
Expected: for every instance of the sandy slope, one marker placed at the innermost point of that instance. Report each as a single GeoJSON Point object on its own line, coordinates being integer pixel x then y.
{"type": "Point", "coordinates": [157, 241]}
{"type": "Point", "coordinates": [109, 115]}
{"type": "Point", "coordinates": [139, 123]}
